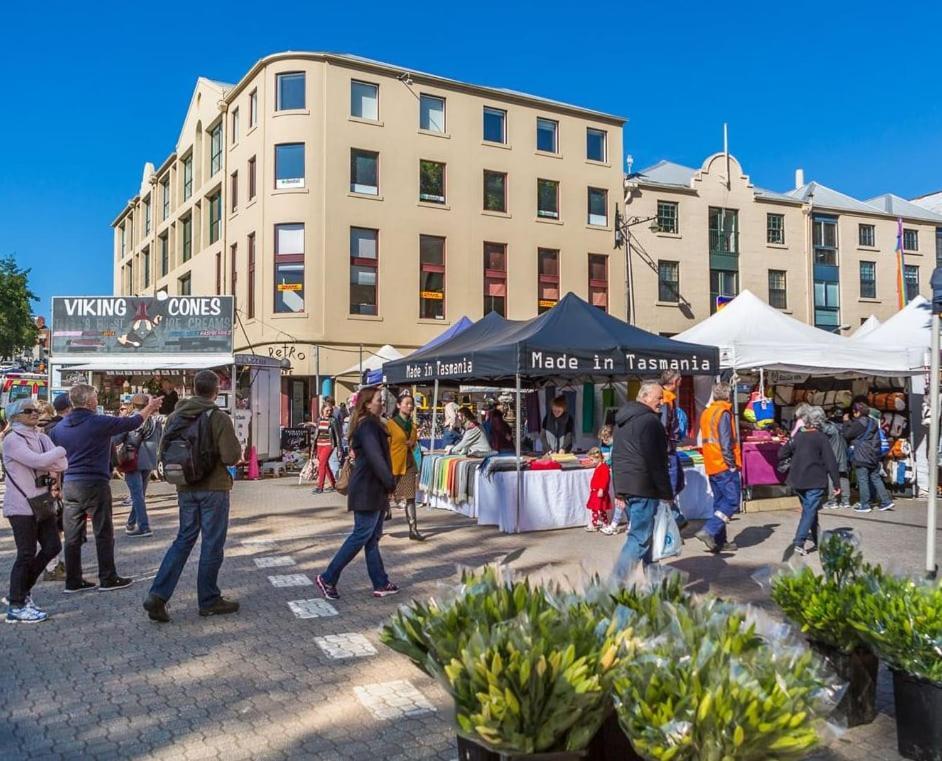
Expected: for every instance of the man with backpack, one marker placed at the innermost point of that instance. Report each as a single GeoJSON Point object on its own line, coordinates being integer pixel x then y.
{"type": "Point", "coordinates": [865, 449]}
{"type": "Point", "coordinates": [199, 441]}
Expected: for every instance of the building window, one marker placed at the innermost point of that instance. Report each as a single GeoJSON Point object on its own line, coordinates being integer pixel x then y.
{"type": "Point", "coordinates": [233, 270]}
{"type": "Point", "coordinates": [777, 289]}
{"type": "Point", "coordinates": [495, 125]}
{"type": "Point", "coordinates": [667, 217]}
{"type": "Point", "coordinates": [184, 285]}
{"type": "Point", "coordinates": [131, 288]}
{"type": "Point", "coordinates": [235, 125]}
{"type": "Point", "coordinates": [431, 277]}
{"type": "Point", "coordinates": [131, 230]}
{"type": "Point", "coordinates": [364, 271]}
{"type": "Point", "coordinates": [124, 241]}
{"type": "Point", "coordinates": [186, 235]}
{"type": "Point", "coordinates": [364, 100]}
{"type": "Point", "coordinates": [290, 91]}
{"type": "Point", "coordinates": [911, 281]}
{"type": "Point", "coordinates": [165, 198]}
{"type": "Point", "coordinates": [432, 113]}
{"type": "Point", "coordinates": [547, 295]}
{"type": "Point", "coordinates": [495, 278]}
{"type": "Point", "coordinates": [868, 280]}
{"type": "Point", "coordinates": [250, 286]}
{"type": "Point", "coordinates": [187, 177]}
{"type": "Point", "coordinates": [145, 265]}
{"type": "Point", "coordinates": [218, 272]}
{"type": "Point", "coordinates": [364, 172]}
{"type": "Point", "coordinates": [147, 217]}
{"type": "Point", "coordinates": [215, 149]}
{"type": "Point", "coordinates": [289, 166]}
{"type": "Point", "coordinates": [595, 144]}
{"type": "Point", "coordinates": [866, 235]}
{"type": "Point", "coordinates": [598, 281]}
{"type": "Point", "coordinates": [598, 206]}
{"type": "Point", "coordinates": [289, 268]}
{"type": "Point", "coordinates": [547, 199]}
{"type": "Point", "coordinates": [723, 284]}
{"type": "Point", "coordinates": [775, 229]}
{"type": "Point", "coordinates": [164, 255]}
{"type": "Point", "coordinates": [215, 216]}
{"type": "Point", "coordinates": [824, 239]}
{"type": "Point", "coordinates": [234, 190]}
{"type": "Point", "coordinates": [546, 135]}
{"type": "Point", "coordinates": [431, 181]}
{"type": "Point", "coordinates": [827, 305]}
{"type": "Point", "coordinates": [668, 281]}
{"type": "Point", "coordinates": [495, 191]}
{"type": "Point", "coordinates": [938, 247]}
{"type": "Point", "coordinates": [253, 108]}
{"type": "Point", "coordinates": [252, 178]}
{"type": "Point", "coordinates": [724, 231]}
{"type": "Point", "coordinates": [910, 240]}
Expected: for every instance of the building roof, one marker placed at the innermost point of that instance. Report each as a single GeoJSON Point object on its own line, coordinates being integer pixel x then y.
{"type": "Point", "coordinates": [665, 173]}
{"type": "Point", "coordinates": [828, 198]}
{"type": "Point", "coordinates": [900, 207]}
{"type": "Point", "coordinates": [930, 201]}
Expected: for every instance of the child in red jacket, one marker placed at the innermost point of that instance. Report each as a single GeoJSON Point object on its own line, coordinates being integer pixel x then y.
{"type": "Point", "coordinates": [600, 501]}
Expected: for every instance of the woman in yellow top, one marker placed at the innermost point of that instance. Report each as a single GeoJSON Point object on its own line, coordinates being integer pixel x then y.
{"type": "Point", "coordinates": [403, 439]}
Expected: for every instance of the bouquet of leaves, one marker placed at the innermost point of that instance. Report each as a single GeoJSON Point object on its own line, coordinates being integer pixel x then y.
{"type": "Point", "coordinates": [820, 605]}
{"type": "Point", "coordinates": [712, 688]}
{"type": "Point", "coordinates": [901, 620]}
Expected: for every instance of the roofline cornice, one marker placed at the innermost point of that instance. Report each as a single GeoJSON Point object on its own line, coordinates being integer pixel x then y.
{"type": "Point", "coordinates": [126, 210]}
{"type": "Point", "coordinates": [430, 79]}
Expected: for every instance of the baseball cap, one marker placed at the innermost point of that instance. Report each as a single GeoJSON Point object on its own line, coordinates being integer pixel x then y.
{"type": "Point", "coordinates": [61, 403]}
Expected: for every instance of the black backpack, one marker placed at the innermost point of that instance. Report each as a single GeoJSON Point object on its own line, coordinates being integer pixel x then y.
{"type": "Point", "coordinates": [187, 451]}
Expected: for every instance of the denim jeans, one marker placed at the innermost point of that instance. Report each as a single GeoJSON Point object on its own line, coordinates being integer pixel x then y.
{"type": "Point", "coordinates": [80, 499]}
{"type": "Point", "coordinates": [27, 533]}
{"type": "Point", "coordinates": [867, 477]}
{"type": "Point", "coordinates": [639, 540]}
{"type": "Point", "coordinates": [367, 531]}
{"type": "Point", "coordinates": [727, 491]}
{"type": "Point", "coordinates": [811, 500]}
{"type": "Point", "coordinates": [136, 482]}
{"type": "Point", "coordinates": [205, 512]}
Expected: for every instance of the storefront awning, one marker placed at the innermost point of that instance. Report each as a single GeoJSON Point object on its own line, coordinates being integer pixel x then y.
{"type": "Point", "coordinates": [148, 363]}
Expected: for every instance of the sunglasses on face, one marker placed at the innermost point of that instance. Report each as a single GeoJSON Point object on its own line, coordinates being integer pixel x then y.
{"type": "Point", "coordinates": [29, 411]}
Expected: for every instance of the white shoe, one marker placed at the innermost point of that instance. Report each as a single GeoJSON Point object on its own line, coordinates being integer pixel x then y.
{"type": "Point", "coordinates": [590, 528]}
{"type": "Point", "coordinates": [25, 615]}
{"type": "Point", "coordinates": [609, 530]}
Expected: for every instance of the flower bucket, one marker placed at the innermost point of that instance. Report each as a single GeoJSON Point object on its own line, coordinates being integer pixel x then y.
{"type": "Point", "coordinates": [859, 669]}
{"type": "Point", "coordinates": [611, 743]}
{"type": "Point", "coordinates": [918, 717]}
{"type": "Point", "coordinates": [469, 750]}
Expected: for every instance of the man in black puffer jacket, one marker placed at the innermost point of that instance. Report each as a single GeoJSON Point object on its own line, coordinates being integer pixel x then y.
{"type": "Point", "coordinates": [640, 472]}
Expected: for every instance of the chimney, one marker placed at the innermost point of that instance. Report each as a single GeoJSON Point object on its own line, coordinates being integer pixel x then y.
{"type": "Point", "coordinates": [799, 178]}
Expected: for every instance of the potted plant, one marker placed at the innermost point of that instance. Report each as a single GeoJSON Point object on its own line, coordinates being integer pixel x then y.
{"type": "Point", "coordinates": [901, 619]}
{"type": "Point", "coordinates": [820, 605]}
{"type": "Point", "coordinates": [713, 688]}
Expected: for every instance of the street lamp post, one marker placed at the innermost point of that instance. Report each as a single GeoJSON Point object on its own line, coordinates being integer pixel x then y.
{"type": "Point", "coordinates": [623, 238]}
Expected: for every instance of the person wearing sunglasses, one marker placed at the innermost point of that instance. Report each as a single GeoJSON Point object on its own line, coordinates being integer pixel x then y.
{"type": "Point", "coordinates": [32, 463]}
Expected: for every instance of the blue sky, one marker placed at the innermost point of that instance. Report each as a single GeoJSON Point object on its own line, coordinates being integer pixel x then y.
{"type": "Point", "coordinates": [848, 91]}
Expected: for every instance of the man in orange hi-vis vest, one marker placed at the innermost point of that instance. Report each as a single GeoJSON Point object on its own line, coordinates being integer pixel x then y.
{"type": "Point", "coordinates": [723, 462]}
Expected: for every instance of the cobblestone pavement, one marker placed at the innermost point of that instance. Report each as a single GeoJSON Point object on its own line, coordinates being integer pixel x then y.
{"type": "Point", "coordinates": [292, 676]}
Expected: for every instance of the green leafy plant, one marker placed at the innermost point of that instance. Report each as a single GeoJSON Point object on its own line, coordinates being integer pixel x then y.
{"type": "Point", "coordinates": [820, 605]}
{"type": "Point", "coordinates": [901, 620]}
{"type": "Point", "coordinates": [712, 689]}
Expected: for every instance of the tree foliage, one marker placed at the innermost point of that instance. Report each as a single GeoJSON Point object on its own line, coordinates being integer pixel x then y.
{"type": "Point", "coordinates": [17, 328]}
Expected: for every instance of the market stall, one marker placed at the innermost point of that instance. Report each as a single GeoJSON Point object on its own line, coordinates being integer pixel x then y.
{"type": "Point", "coordinates": [573, 343]}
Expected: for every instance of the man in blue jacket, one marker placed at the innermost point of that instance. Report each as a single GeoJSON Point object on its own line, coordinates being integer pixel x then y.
{"type": "Point", "coordinates": [86, 437]}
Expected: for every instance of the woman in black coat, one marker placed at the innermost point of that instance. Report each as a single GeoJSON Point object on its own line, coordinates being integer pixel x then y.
{"type": "Point", "coordinates": [812, 462]}
{"type": "Point", "coordinates": [371, 483]}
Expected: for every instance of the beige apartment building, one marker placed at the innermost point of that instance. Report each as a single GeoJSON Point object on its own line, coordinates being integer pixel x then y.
{"type": "Point", "coordinates": [701, 235]}
{"type": "Point", "coordinates": [347, 203]}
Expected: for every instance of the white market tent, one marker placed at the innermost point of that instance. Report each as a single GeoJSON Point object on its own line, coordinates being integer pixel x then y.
{"type": "Point", "coordinates": [372, 361]}
{"type": "Point", "coordinates": [752, 335]}
{"type": "Point", "coordinates": [868, 326]}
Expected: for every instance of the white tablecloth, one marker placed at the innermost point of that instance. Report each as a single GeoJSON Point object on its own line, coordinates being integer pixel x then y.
{"type": "Point", "coordinates": [696, 500]}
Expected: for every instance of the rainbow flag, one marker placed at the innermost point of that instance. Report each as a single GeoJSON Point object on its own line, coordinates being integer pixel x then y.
{"type": "Point", "coordinates": [900, 279]}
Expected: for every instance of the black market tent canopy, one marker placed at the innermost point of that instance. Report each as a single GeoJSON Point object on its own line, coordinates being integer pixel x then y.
{"type": "Point", "coordinates": [573, 340]}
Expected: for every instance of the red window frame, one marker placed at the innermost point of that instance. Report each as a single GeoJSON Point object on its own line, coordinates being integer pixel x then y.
{"type": "Point", "coordinates": [431, 269]}
{"type": "Point", "coordinates": [547, 281]}
{"type": "Point", "coordinates": [598, 287]}
{"type": "Point", "coordinates": [233, 273]}
{"type": "Point", "coordinates": [367, 263]}
{"type": "Point", "coordinates": [495, 278]}
{"type": "Point", "coordinates": [252, 178]}
{"type": "Point", "coordinates": [251, 273]}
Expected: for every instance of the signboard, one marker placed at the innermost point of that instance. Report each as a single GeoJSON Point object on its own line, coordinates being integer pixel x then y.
{"type": "Point", "coordinates": [290, 287]}
{"type": "Point", "coordinates": [432, 295]}
{"type": "Point", "coordinates": [295, 439]}
{"type": "Point", "coordinates": [544, 304]}
{"type": "Point", "coordinates": [132, 325]}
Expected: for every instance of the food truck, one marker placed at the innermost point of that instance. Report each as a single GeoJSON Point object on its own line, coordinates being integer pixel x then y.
{"type": "Point", "coordinates": [124, 345]}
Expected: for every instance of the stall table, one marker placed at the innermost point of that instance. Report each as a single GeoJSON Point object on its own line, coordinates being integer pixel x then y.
{"type": "Point", "coordinates": [760, 463]}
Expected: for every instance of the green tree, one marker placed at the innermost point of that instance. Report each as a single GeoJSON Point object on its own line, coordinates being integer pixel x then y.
{"type": "Point", "coordinates": [17, 328]}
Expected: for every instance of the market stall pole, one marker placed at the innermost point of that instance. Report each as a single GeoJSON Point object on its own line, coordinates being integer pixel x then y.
{"type": "Point", "coordinates": [517, 448]}
{"type": "Point", "coordinates": [933, 445]}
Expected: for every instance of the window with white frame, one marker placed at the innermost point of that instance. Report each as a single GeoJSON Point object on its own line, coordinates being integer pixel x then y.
{"type": "Point", "coordinates": [778, 290]}
{"type": "Point", "coordinates": [667, 217]}
{"type": "Point", "coordinates": [598, 206]}
{"type": "Point", "coordinates": [910, 240]}
{"type": "Point", "coordinates": [364, 271]}
{"type": "Point", "coordinates": [431, 181]}
{"type": "Point", "coordinates": [215, 149]}
{"type": "Point", "coordinates": [364, 172]}
{"type": "Point", "coordinates": [595, 147]}
{"type": "Point", "coordinates": [866, 235]}
{"type": "Point", "coordinates": [547, 135]}
{"type": "Point", "coordinates": [668, 281]}
{"type": "Point", "coordinates": [289, 268]}
{"type": "Point", "coordinates": [235, 125]}
{"type": "Point", "coordinates": [289, 166]}
{"type": "Point", "coordinates": [165, 198]}
{"type": "Point", "coordinates": [495, 125]}
{"type": "Point", "coordinates": [253, 108]}
{"type": "Point", "coordinates": [547, 199]}
{"type": "Point", "coordinates": [432, 113]}
{"type": "Point", "coordinates": [775, 229]}
{"type": "Point", "coordinates": [364, 100]}
{"type": "Point", "coordinates": [289, 91]}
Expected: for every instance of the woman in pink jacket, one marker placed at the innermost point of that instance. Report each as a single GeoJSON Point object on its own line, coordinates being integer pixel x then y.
{"type": "Point", "coordinates": [30, 460]}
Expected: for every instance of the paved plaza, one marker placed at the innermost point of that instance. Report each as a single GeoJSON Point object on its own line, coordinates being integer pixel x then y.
{"type": "Point", "coordinates": [293, 676]}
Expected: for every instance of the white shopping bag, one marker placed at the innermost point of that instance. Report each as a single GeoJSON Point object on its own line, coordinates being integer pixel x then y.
{"type": "Point", "coordinates": [666, 541]}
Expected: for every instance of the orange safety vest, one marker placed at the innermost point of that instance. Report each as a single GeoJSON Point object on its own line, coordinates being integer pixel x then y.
{"type": "Point", "coordinates": [713, 460]}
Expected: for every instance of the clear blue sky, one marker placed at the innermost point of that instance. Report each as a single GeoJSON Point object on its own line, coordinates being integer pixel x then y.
{"type": "Point", "coordinates": [851, 92]}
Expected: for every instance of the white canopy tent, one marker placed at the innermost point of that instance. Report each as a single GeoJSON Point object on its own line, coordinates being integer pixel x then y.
{"type": "Point", "coordinates": [868, 326]}
{"type": "Point", "coordinates": [752, 335]}
{"type": "Point", "coordinates": [372, 360]}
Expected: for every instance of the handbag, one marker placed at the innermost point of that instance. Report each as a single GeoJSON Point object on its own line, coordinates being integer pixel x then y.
{"type": "Point", "coordinates": [342, 483]}
{"type": "Point", "coordinates": [42, 505]}
{"type": "Point", "coordinates": [126, 453]}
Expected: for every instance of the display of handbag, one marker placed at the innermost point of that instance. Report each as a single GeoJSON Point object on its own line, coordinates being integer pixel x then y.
{"type": "Point", "coordinates": [760, 410]}
{"type": "Point", "coordinates": [897, 425]}
{"type": "Point", "coordinates": [888, 401]}
{"type": "Point", "coordinates": [783, 395]}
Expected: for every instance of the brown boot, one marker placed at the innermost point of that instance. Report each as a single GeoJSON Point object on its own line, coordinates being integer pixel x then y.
{"type": "Point", "coordinates": [413, 522]}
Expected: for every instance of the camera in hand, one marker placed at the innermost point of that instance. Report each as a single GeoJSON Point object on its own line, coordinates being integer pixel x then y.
{"type": "Point", "coordinates": [44, 481]}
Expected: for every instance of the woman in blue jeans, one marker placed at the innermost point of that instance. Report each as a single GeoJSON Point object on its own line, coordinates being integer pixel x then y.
{"type": "Point", "coordinates": [145, 439]}
{"type": "Point", "coordinates": [812, 461]}
{"type": "Point", "coordinates": [371, 483]}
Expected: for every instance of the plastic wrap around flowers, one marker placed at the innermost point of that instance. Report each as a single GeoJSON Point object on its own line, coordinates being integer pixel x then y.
{"type": "Point", "coordinates": [538, 668]}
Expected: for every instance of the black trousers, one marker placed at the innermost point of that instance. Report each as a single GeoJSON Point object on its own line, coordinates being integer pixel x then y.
{"type": "Point", "coordinates": [27, 533]}
{"type": "Point", "coordinates": [92, 499]}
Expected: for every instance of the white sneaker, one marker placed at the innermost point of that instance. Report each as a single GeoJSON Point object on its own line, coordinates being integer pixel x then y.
{"type": "Point", "coordinates": [609, 530]}
{"type": "Point", "coordinates": [25, 615]}
{"type": "Point", "coordinates": [590, 528]}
